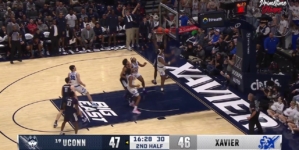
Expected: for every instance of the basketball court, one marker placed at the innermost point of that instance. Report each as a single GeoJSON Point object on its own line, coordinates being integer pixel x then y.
{"type": "Point", "coordinates": [29, 93]}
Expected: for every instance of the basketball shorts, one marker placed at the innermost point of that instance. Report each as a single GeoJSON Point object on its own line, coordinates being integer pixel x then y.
{"type": "Point", "coordinates": [63, 100]}
{"type": "Point", "coordinates": [133, 91]}
{"type": "Point", "coordinates": [161, 71]}
{"type": "Point", "coordinates": [81, 89]}
{"type": "Point", "coordinates": [72, 117]}
{"type": "Point", "coordinates": [136, 75]}
{"type": "Point", "coordinates": [124, 82]}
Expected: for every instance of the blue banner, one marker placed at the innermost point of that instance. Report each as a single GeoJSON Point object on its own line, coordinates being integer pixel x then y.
{"type": "Point", "coordinates": [73, 142]}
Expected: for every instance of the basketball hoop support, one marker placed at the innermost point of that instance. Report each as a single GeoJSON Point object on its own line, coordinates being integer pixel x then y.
{"type": "Point", "coordinates": [176, 37]}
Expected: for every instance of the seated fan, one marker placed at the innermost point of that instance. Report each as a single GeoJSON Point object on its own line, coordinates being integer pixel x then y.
{"type": "Point", "coordinates": [28, 36]}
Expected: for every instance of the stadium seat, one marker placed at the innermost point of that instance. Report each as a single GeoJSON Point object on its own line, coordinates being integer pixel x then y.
{"type": "Point", "coordinates": [28, 36]}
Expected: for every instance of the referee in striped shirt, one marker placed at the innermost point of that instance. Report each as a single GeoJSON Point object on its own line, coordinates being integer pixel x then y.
{"type": "Point", "coordinates": [15, 40]}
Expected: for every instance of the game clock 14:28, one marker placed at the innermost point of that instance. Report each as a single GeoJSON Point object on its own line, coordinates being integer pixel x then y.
{"type": "Point", "coordinates": [148, 139]}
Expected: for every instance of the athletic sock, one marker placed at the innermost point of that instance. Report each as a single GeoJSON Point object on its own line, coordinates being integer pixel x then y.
{"type": "Point", "coordinates": [55, 121]}
{"type": "Point", "coordinates": [154, 80]}
{"type": "Point", "coordinates": [162, 89]}
{"type": "Point", "coordinates": [135, 107]}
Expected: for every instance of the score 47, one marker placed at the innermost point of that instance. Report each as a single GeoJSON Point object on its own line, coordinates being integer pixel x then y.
{"type": "Point", "coordinates": [114, 142]}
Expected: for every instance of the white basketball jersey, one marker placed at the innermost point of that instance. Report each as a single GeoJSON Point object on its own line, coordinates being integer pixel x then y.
{"type": "Point", "coordinates": [133, 82]}
{"type": "Point", "coordinates": [159, 64]}
{"type": "Point", "coordinates": [73, 78]}
{"type": "Point", "coordinates": [135, 67]}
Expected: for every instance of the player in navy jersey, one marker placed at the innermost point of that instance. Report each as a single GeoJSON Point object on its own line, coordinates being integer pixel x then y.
{"type": "Point", "coordinates": [71, 111]}
{"type": "Point", "coordinates": [65, 92]}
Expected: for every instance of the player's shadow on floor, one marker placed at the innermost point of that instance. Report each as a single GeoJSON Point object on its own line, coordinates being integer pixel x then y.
{"type": "Point", "coordinates": [113, 108]}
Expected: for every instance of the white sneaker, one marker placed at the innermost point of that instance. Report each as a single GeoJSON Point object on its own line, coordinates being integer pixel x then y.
{"type": "Point", "coordinates": [132, 45]}
{"type": "Point", "coordinates": [115, 48]}
{"type": "Point", "coordinates": [63, 49]}
{"type": "Point", "coordinates": [64, 53]}
{"type": "Point", "coordinates": [108, 48]}
{"type": "Point", "coordinates": [83, 49]}
{"type": "Point", "coordinates": [129, 48]}
{"type": "Point", "coordinates": [111, 48]}
{"type": "Point", "coordinates": [77, 49]}
{"type": "Point", "coordinates": [135, 111]}
{"type": "Point", "coordinates": [96, 50]}
{"type": "Point", "coordinates": [60, 49]}
{"type": "Point", "coordinates": [48, 54]}
{"type": "Point", "coordinates": [88, 50]}
{"type": "Point", "coordinates": [102, 48]}
{"type": "Point", "coordinates": [72, 52]}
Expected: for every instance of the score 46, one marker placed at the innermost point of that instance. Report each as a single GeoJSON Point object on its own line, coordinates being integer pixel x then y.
{"type": "Point", "coordinates": [114, 142]}
{"type": "Point", "coordinates": [184, 142]}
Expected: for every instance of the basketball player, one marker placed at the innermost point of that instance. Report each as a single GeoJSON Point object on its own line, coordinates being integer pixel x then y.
{"type": "Point", "coordinates": [132, 88]}
{"type": "Point", "coordinates": [161, 67]}
{"type": "Point", "coordinates": [65, 92]}
{"type": "Point", "coordinates": [71, 108]}
{"type": "Point", "coordinates": [135, 67]}
{"type": "Point", "coordinates": [159, 50]}
{"type": "Point", "coordinates": [78, 84]}
{"type": "Point", "coordinates": [123, 79]}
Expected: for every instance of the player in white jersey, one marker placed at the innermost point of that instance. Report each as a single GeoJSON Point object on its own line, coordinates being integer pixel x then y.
{"type": "Point", "coordinates": [79, 85]}
{"type": "Point", "coordinates": [161, 67]}
{"type": "Point", "coordinates": [289, 113]}
{"type": "Point", "coordinates": [132, 88]}
{"type": "Point", "coordinates": [276, 108]}
{"type": "Point", "coordinates": [135, 66]}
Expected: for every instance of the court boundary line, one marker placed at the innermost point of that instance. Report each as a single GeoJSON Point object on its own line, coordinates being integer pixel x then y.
{"type": "Point", "coordinates": [6, 87]}
{"type": "Point", "coordinates": [195, 96]}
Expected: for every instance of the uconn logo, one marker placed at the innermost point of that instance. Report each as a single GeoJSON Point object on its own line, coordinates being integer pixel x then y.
{"type": "Point", "coordinates": [261, 84]}
{"type": "Point", "coordinates": [96, 114]}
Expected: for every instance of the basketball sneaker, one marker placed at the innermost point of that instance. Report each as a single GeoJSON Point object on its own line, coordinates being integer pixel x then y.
{"type": "Point", "coordinates": [154, 82]}
{"type": "Point", "coordinates": [135, 111]}
{"type": "Point", "coordinates": [61, 133]}
{"type": "Point", "coordinates": [55, 124]}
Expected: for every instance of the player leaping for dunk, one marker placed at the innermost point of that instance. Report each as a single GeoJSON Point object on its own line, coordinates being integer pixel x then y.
{"type": "Point", "coordinates": [79, 85]}
{"type": "Point", "coordinates": [132, 88]}
{"type": "Point", "coordinates": [135, 67]}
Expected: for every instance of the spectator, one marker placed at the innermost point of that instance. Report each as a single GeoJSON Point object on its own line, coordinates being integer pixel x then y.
{"type": "Point", "coordinates": [262, 32]}
{"type": "Point", "coordinates": [24, 20]}
{"type": "Point", "coordinates": [69, 35]}
{"type": "Point", "coordinates": [288, 114]}
{"type": "Point", "coordinates": [199, 37]}
{"type": "Point", "coordinates": [92, 14]}
{"type": "Point", "coordinates": [2, 6]}
{"type": "Point", "coordinates": [83, 14]}
{"type": "Point", "coordinates": [93, 22]}
{"type": "Point", "coordinates": [74, 3]}
{"type": "Point", "coordinates": [215, 66]}
{"type": "Point", "coordinates": [188, 51]}
{"type": "Point", "coordinates": [8, 14]}
{"type": "Point", "coordinates": [41, 26]}
{"type": "Point", "coordinates": [276, 108]}
{"type": "Point", "coordinates": [104, 22]}
{"type": "Point", "coordinates": [295, 35]}
{"type": "Point", "coordinates": [61, 9]}
{"type": "Point", "coordinates": [137, 19]}
{"type": "Point", "coordinates": [183, 19]}
{"type": "Point", "coordinates": [112, 29]}
{"type": "Point", "coordinates": [35, 45]}
{"type": "Point", "coordinates": [11, 25]}
{"type": "Point", "coordinates": [295, 57]}
{"type": "Point", "coordinates": [212, 5]}
{"type": "Point", "coordinates": [31, 26]}
{"type": "Point", "coordinates": [30, 6]}
{"type": "Point", "coordinates": [88, 36]}
{"type": "Point", "coordinates": [282, 30]}
{"type": "Point", "coordinates": [46, 11]}
{"type": "Point", "coordinates": [19, 12]}
{"type": "Point", "coordinates": [17, 4]}
{"type": "Point", "coordinates": [295, 13]}
{"type": "Point", "coordinates": [221, 46]}
{"type": "Point", "coordinates": [77, 31]}
{"type": "Point", "coordinates": [144, 31]}
{"type": "Point", "coordinates": [128, 20]}
{"type": "Point", "coordinates": [99, 36]}
{"type": "Point", "coordinates": [3, 32]}
{"type": "Point", "coordinates": [232, 48]}
{"type": "Point", "coordinates": [71, 19]}
{"type": "Point", "coordinates": [270, 45]}
{"type": "Point", "coordinates": [61, 24]}
{"type": "Point", "coordinates": [260, 55]}
{"type": "Point", "coordinates": [54, 36]}
{"type": "Point", "coordinates": [212, 42]}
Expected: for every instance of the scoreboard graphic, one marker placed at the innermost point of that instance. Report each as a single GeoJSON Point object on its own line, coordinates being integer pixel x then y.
{"type": "Point", "coordinates": [150, 142]}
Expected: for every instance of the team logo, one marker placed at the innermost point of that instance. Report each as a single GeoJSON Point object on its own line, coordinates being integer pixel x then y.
{"type": "Point", "coordinates": [205, 20]}
{"type": "Point", "coordinates": [31, 142]}
{"type": "Point", "coordinates": [268, 143]}
{"type": "Point", "coordinates": [272, 6]}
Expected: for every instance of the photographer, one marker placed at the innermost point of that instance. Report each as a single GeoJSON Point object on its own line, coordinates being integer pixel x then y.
{"type": "Point", "coordinates": [188, 51]}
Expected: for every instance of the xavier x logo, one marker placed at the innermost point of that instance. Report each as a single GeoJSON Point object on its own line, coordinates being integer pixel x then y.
{"type": "Point", "coordinates": [238, 63]}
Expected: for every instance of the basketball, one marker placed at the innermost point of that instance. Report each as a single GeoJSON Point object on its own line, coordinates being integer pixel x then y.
{"type": "Point", "coordinates": [166, 31]}
{"type": "Point", "coordinates": [160, 29]}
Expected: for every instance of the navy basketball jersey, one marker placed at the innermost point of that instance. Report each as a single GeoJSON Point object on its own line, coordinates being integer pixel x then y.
{"type": "Point", "coordinates": [70, 105]}
{"type": "Point", "coordinates": [66, 90]}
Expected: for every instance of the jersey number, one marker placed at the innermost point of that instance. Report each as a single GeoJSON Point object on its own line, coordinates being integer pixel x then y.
{"type": "Point", "coordinates": [114, 142]}
{"type": "Point", "coordinates": [69, 103]}
{"type": "Point", "coordinates": [66, 89]}
{"type": "Point", "coordinates": [73, 77]}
